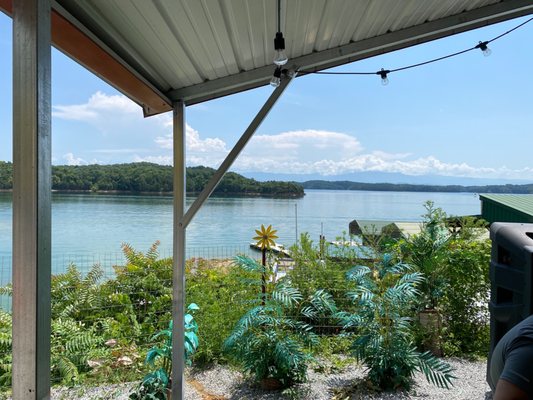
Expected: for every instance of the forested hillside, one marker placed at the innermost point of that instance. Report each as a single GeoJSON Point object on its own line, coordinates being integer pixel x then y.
{"type": "Point", "coordinates": [403, 187]}
{"type": "Point", "coordinates": [148, 177]}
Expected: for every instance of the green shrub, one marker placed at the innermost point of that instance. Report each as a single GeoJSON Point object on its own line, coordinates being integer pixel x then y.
{"type": "Point", "coordinates": [454, 258]}
{"type": "Point", "coordinates": [385, 294]}
{"type": "Point", "coordinates": [223, 294]}
{"type": "Point", "coordinates": [313, 271]}
{"type": "Point", "coordinates": [270, 341]}
{"type": "Point", "coordinates": [466, 296]}
{"type": "Point", "coordinates": [5, 348]}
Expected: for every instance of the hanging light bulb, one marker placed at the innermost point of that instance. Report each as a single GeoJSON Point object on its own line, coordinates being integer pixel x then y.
{"type": "Point", "coordinates": [483, 47]}
{"type": "Point", "coordinates": [276, 78]}
{"type": "Point", "coordinates": [383, 73]}
{"type": "Point", "coordinates": [280, 57]}
{"type": "Point", "coordinates": [279, 45]}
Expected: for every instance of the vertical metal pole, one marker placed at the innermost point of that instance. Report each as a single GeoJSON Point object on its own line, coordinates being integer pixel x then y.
{"type": "Point", "coordinates": [296, 221]}
{"type": "Point", "coordinates": [31, 199]}
{"type": "Point", "coordinates": [178, 271]}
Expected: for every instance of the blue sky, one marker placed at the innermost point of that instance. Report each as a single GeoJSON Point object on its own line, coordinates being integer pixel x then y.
{"type": "Point", "coordinates": [468, 116]}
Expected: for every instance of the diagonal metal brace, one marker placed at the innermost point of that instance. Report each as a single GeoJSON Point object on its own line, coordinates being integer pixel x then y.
{"type": "Point", "coordinates": [234, 153]}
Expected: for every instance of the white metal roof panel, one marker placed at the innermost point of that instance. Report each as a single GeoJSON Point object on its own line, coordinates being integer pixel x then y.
{"type": "Point", "coordinates": [195, 50]}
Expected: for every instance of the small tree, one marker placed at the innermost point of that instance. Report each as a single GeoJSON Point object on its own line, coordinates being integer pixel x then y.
{"type": "Point", "coordinates": [427, 252]}
{"type": "Point", "coordinates": [270, 340]}
{"type": "Point", "coordinates": [385, 294]}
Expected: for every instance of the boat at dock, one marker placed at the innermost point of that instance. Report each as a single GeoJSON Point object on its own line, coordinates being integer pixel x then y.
{"type": "Point", "coordinates": [276, 249]}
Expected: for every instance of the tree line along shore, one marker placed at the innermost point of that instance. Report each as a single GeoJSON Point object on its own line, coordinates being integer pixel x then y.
{"type": "Point", "coordinates": [405, 187]}
{"type": "Point", "coordinates": [151, 178]}
{"type": "Point", "coordinates": [146, 177]}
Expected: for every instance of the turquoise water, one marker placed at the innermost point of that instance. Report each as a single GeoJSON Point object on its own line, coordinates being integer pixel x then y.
{"type": "Point", "coordinates": [92, 226]}
{"type": "Point", "coordinates": [89, 228]}
{"type": "Point", "coordinates": [100, 223]}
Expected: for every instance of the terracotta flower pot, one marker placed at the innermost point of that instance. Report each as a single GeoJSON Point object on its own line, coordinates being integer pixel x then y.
{"type": "Point", "coordinates": [271, 384]}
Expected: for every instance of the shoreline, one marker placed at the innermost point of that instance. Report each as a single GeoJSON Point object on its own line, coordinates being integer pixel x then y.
{"type": "Point", "coordinates": [143, 193]}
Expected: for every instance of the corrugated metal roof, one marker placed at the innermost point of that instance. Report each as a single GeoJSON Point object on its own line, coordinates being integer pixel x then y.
{"type": "Point", "coordinates": [376, 227]}
{"type": "Point", "coordinates": [409, 228]}
{"type": "Point", "coordinates": [196, 50]}
{"type": "Point", "coordinates": [520, 202]}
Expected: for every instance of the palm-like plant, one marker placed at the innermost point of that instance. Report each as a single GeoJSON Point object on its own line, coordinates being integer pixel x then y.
{"type": "Point", "coordinates": [270, 340]}
{"type": "Point", "coordinates": [385, 294]}
{"type": "Point", "coordinates": [427, 252]}
{"type": "Point", "coordinates": [155, 383]}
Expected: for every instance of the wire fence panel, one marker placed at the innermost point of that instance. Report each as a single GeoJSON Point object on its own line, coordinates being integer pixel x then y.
{"type": "Point", "coordinates": [108, 309]}
{"type": "Point", "coordinates": [112, 312]}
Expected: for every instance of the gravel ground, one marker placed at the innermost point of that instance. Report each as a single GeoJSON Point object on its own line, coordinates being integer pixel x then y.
{"type": "Point", "coordinates": [222, 383]}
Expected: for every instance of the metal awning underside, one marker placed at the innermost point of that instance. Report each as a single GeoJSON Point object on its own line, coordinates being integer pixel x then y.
{"type": "Point", "coordinates": [160, 51]}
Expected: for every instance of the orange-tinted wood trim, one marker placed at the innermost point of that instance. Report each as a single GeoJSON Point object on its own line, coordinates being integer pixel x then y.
{"type": "Point", "coordinates": [6, 6]}
{"type": "Point", "coordinates": [70, 40]}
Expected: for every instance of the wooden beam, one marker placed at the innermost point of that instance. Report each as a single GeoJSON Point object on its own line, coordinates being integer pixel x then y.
{"type": "Point", "coordinates": [77, 45]}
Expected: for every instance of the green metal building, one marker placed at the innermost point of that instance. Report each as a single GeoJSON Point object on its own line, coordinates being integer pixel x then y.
{"type": "Point", "coordinates": [507, 207]}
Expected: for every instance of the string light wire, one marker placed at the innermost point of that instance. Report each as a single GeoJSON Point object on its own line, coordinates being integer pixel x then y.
{"type": "Point", "coordinates": [389, 71]}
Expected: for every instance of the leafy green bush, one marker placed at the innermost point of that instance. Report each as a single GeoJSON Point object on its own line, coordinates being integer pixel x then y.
{"type": "Point", "coordinates": [314, 271]}
{"type": "Point", "coordinates": [5, 348]}
{"type": "Point", "coordinates": [466, 296]}
{"type": "Point", "coordinates": [140, 295]}
{"type": "Point", "coordinates": [385, 294]}
{"type": "Point", "coordinates": [270, 341]}
{"type": "Point", "coordinates": [223, 293]}
{"type": "Point", "coordinates": [454, 258]}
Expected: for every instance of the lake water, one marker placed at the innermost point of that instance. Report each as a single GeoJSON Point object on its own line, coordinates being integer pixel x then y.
{"type": "Point", "coordinates": [93, 226]}
{"type": "Point", "coordinates": [90, 228]}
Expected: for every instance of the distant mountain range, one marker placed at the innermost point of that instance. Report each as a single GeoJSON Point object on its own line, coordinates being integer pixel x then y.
{"type": "Point", "coordinates": [385, 177]}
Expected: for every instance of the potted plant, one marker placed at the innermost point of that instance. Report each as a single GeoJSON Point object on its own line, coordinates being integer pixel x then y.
{"type": "Point", "coordinates": [427, 252]}
{"type": "Point", "coordinates": [384, 294]}
{"type": "Point", "coordinates": [268, 341]}
{"type": "Point", "coordinates": [157, 384]}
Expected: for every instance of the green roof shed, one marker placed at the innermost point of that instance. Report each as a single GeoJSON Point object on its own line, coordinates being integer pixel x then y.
{"type": "Point", "coordinates": [507, 207]}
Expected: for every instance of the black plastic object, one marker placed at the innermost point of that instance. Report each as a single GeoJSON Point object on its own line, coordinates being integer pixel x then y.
{"type": "Point", "coordinates": [511, 277]}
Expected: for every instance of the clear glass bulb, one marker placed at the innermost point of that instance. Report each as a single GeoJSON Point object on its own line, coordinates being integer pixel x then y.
{"type": "Point", "coordinates": [275, 81]}
{"type": "Point", "coordinates": [281, 57]}
{"type": "Point", "coordinates": [487, 52]}
{"type": "Point", "coordinates": [385, 80]}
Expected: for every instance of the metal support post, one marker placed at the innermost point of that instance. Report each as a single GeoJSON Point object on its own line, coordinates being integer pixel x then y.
{"type": "Point", "coordinates": [234, 153]}
{"type": "Point", "coordinates": [182, 220]}
{"type": "Point", "coordinates": [31, 199]}
{"type": "Point", "coordinates": [178, 270]}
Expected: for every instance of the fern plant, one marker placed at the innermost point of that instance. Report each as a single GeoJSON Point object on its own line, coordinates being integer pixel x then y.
{"type": "Point", "coordinates": [73, 345]}
{"type": "Point", "coordinates": [385, 295]}
{"type": "Point", "coordinates": [5, 348]}
{"type": "Point", "coordinates": [142, 288]}
{"type": "Point", "coordinates": [270, 340]}
{"type": "Point", "coordinates": [76, 296]}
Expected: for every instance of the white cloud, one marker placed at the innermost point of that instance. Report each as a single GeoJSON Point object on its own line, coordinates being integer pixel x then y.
{"type": "Point", "coordinates": [98, 105]}
{"type": "Point", "coordinates": [324, 152]}
{"type": "Point", "coordinates": [70, 159]}
{"type": "Point", "coordinates": [194, 143]}
{"type": "Point", "coordinates": [208, 152]}
{"type": "Point", "coordinates": [118, 151]}
{"type": "Point", "coordinates": [163, 160]}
